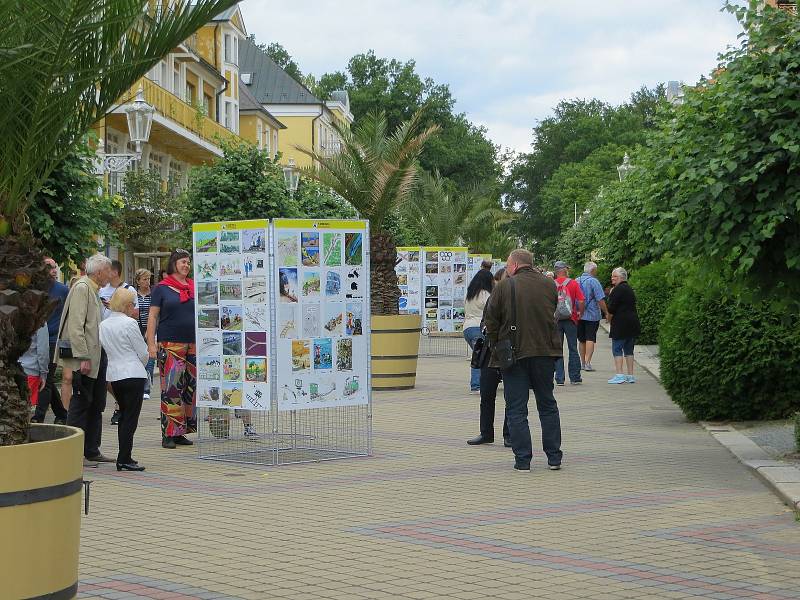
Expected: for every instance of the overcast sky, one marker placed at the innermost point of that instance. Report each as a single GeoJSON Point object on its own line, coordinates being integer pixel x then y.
{"type": "Point", "coordinates": [508, 62]}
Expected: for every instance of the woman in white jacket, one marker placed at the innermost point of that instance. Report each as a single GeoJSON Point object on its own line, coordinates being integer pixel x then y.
{"type": "Point", "coordinates": [127, 356]}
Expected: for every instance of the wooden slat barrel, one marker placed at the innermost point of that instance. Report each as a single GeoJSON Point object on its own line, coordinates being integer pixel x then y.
{"type": "Point", "coordinates": [41, 486]}
{"type": "Point", "coordinates": [395, 349]}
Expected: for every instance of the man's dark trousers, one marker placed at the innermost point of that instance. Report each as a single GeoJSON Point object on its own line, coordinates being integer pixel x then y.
{"type": "Point", "coordinates": [490, 380]}
{"type": "Point", "coordinates": [49, 396]}
{"type": "Point", "coordinates": [87, 406]}
{"type": "Point", "coordinates": [569, 329]}
{"type": "Point", "coordinates": [534, 373]}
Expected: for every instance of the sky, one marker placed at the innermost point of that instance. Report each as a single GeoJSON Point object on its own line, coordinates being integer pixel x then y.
{"type": "Point", "coordinates": [508, 62]}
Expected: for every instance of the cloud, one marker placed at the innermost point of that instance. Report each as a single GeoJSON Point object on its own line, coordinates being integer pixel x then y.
{"type": "Point", "coordinates": [508, 62]}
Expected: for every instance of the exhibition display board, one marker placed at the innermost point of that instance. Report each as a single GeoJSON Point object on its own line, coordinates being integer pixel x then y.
{"type": "Point", "coordinates": [474, 262]}
{"type": "Point", "coordinates": [322, 278]}
{"type": "Point", "coordinates": [444, 286]}
{"type": "Point", "coordinates": [232, 314]}
{"type": "Point", "coordinates": [409, 279]}
{"type": "Point", "coordinates": [282, 326]}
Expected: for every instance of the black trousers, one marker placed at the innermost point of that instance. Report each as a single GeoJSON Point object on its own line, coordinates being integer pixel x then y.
{"type": "Point", "coordinates": [490, 379]}
{"type": "Point", "coordinates": [129, 394]}
{"type": "Point", "coordinates": [87, 406]}
{"type": "Point", "coordinates": [50, 396]}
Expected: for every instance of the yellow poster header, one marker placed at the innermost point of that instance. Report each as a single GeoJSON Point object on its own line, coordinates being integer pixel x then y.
{"type": "Point", "coordinates": [231, 225]}
{"type": "Point", "coordinates": [318, 224]}
{"type": "Point", "coordinates": [445, 249]}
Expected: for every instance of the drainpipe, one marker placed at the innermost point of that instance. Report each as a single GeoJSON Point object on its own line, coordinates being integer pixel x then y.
{"type": "Point", "coordinates": [314, 126]}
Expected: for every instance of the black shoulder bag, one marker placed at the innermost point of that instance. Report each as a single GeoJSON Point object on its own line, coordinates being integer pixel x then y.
{"type": "Point", "coordinates": [504, 350]}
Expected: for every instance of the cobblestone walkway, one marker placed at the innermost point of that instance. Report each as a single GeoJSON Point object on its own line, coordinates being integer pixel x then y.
{"type": "Point", "coordinates": [647, 506]}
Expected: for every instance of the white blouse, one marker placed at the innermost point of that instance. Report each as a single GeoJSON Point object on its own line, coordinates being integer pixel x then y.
{"type": "Point", "coordinates": [125, 347]}
{"type": "Point", "coordinates": [473, 309]}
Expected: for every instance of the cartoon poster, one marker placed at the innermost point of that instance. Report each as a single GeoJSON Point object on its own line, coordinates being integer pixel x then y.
{"type": "Point", "coordinates": [444, 283]}
{"type": "Point", "coordinates": [232, 314]}
{"type": "Point", "coordinates": [322, 333]}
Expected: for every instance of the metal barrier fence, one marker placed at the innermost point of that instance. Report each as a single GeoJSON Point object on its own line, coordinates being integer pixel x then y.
{"type": "Point", "coordinates": [282, 437]}
{"type": "Point", "coordinates": [443, 344]}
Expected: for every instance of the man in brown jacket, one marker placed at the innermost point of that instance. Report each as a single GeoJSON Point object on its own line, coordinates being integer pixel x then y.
{"type": "Point", "coordinates": [80, 331]}
{"type": "Point", "coordinates": [536, 347]}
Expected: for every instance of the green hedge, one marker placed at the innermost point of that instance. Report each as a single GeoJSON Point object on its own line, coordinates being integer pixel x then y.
{"type": "Point", "coordinates": [724, 357]}
{"type": "Point", "coordinates": [655, 286]}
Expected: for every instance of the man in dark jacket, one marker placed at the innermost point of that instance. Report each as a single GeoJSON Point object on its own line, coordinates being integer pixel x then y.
{"type": "Point", "coordinates": [536, 347]}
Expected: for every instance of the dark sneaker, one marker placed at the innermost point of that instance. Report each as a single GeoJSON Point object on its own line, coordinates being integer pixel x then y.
{"type": "Point", "coordinates": [181, 440]}
{"type": "Point", "coordinates": [168, 442]}
{"type": "Point", "coordinates": [522, 468]}
{"type": "Point", "coordinates": [554, 467]}
{"type": "Point", "coordinates": [115, 418]}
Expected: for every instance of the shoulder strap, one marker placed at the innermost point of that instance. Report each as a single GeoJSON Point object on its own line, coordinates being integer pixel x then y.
{"type": "Point", "coordinates": [513, 313]}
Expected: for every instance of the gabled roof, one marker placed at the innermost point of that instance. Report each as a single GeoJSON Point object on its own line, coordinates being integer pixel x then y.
{"type": "Point", "coordinates": [268, 82]}
{"type": "Point", "coordinates": [248, 103]}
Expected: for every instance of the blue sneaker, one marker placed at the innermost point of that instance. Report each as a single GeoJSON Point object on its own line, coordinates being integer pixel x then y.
{"type": "Point", "coordinates": [618, 379]}
{"type": "Point", "coordinates": [630, 379]}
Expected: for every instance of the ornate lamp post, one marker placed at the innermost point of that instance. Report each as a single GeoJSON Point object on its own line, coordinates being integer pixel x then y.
{"type": "Point", "coordinates": [292, 177]}
{"type": "Point", "coordinates": [140, 119]}
{"type": "Point", "coordinates": [625, 168]}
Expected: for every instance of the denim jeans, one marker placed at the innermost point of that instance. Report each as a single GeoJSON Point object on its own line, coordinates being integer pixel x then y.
{"type": "Point", "coordinates": [148, 382]}
{"type": "Point", "coordinates": [472, 334]}
{"type": "Point", "coordinates": [534, 373]}
{"type": "Point", "coordinates": [569, 330]}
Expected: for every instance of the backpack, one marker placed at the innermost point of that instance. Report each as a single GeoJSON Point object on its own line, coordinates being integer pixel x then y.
{"type": "Point", "coordinates": [564, 305]}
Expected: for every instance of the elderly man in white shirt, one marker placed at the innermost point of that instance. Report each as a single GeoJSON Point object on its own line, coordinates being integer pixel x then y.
{"type": "Point", "coordinates": [127, 357]}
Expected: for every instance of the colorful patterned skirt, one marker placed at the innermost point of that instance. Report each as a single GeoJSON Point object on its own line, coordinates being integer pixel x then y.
{"type": "Point", "coordinates": [178, 369]}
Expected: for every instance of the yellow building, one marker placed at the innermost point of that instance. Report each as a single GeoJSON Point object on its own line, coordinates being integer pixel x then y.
{"type": "Point", "coordinates": [308, 120]}
{"type": "Point", "coordinates": [256, 124]}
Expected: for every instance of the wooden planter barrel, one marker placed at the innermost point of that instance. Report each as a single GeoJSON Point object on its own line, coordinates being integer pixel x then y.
{"type": "Point", "coordinates": [395, 349]}
{"type": "Point", "coordinates": [41, 486]}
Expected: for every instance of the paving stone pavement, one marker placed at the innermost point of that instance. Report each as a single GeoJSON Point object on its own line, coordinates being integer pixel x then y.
{"type": "Point", "coordinates": [647, 506]}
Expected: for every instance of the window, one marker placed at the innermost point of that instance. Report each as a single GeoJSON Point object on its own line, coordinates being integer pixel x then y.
{"type": "Point", "coordinates": [266, 142]}
{"type": "Point", "coordinates": [175, 180]}
{"type": "Point", "coordinates": [190, 95]}
{"type": "Point", "coordinates": [260, 135]}
{"type": "Point", "coordinates": [229, 122]}
{"type": "Point", "coordinates": [207, 105]}
{"type": "Point", "coordinates": [228, 47]}
{"type": "Point", "coordinates": [274, 142]}
{"type": "Point", "coordinates": [235, 50]}
{"type": "Point", "coordinates": [162, 80]}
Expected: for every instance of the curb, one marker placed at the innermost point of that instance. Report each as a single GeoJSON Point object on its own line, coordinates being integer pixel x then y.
{"type": "Point", "coordinates": [781, 477]}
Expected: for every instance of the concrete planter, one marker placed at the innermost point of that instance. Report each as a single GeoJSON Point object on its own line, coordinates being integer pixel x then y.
{"type": "Point", "coordinates": [40, 513]}
{"type": "Point", "coordinates": [395, 349]}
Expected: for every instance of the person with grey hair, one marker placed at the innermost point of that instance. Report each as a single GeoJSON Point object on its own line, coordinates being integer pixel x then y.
{"type": "Point", "coordinates": [79, 351]}
{"type": "Point", "coordinates": [520, 310]}
{"type": "Point", "coordinates": [593, 310]}
{"type": "Point", "coordinates": [625, 325]}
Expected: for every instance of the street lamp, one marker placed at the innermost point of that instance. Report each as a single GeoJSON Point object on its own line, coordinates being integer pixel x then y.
{"type": "Point", "coordinates": [140, 119]}
{"type": "Point", "coordinates": [625, 168]}
{"type": "Point", "coordinates": [292, 177]}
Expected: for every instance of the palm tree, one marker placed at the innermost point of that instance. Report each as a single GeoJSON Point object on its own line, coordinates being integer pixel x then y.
{"type": "Point", "coordinates": [63, 66]}
{"type": "Point", "coordinates": [375, 171]}
{"type": "Point", "coordinates": [450, 218]}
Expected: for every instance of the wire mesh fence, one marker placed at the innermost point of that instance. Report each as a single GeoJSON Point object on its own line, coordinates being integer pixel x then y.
{"type": "Point", "coordinates": [274, 437]}
{"type": "Point", "coordinates": [442, 344]}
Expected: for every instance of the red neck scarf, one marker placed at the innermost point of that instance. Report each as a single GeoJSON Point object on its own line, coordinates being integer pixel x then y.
{"type": "Point", "coordinates": [186, 290]}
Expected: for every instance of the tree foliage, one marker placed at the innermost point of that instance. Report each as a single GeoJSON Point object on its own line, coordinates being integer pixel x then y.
{"type": "Point", "coordinates": [68, 216]}
{"type": "Point", "coordinates": [147, 214]}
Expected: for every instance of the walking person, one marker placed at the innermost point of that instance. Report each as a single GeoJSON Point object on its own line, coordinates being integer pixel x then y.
{"type": "Point", "coordinates": [625, 326]}
{"type": "Point", "coordinates": [594, 309]}
{"type": "Point", "coordinates": [49, 396]}
{"type": "Point", "coordinates": [489, 381]}
{"type": "Point", "coordinates": [569, 309]}
{"type": "Point", "coordinates": [477, 294]}
{"type": "Point", "coordinates": [171, 321]}
{"type": "Point", "coordinates": [521, 310]}
{"type": "Point", "coordinates": [143, 298]}
{"type": "Point", "coordinates": [79, 351]}
{"type": "Point", "coordinates": [127, 354]}
{"type": "Point", "coordinates": [35, 363]}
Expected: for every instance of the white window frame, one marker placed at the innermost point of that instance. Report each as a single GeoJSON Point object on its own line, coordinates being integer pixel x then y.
{"type": "Point", "coordinates": [267, 146]}
{"type": "Point", "coordinates": [260, 134]}
{"type": "Point", "coordinates": [227, 48]}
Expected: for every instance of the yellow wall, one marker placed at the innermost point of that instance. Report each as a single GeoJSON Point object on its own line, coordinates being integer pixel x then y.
{"type": "Point", "coordinates": [297, 132]}
{"type": "Point", "coordinates": [248, 128]}
{"type": "Point", "coordinates": [206, 43]}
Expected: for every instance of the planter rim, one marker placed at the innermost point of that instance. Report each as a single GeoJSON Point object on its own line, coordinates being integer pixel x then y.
{"type": "Point", "coordinates": [42, 433]}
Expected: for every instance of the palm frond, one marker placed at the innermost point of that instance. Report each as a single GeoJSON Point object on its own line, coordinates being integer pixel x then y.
{"type": "Point", "coordinates": [73, 60]}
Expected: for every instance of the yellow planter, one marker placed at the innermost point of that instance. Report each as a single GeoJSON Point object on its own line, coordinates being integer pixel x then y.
{"type": "Point", "coordinates": [41, 486]}
{"type": "Point", "coordinates": [395, 348]}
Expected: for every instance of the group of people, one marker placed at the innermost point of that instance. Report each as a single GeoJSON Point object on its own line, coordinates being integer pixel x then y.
{"type": "Point", "coordinates": [108, 336]}
{"type": "Point", "coordinates": [536, 311]}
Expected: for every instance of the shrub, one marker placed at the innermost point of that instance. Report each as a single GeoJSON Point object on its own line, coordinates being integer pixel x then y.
{"type": "Point", "coordinates": [655, 286]}
{"type": "Point", "coordinates": [796, 419]}
{"type": "Point", "coordinates": [728, 355]}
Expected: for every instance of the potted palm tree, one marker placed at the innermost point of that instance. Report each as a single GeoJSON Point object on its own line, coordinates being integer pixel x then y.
{"type": "Point", "coordinates": [63, 66]}
{"type": "Point", "coordinates": [375, 171]}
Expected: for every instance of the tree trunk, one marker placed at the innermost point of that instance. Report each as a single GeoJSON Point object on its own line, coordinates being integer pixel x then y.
{"type": "Point", "coordinates": [24, 307]}
{"type": "Point", "coordinates": [384, 293]}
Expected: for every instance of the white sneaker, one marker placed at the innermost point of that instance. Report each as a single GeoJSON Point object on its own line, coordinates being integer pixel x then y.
{"type": "Point", "coordinates": [630, 379]}
{"type": "Point", "coordinates": [618, 378]}
{"type": "Point", "coordinates": [147, 396]}
{"type": "Point", "coordinates": [588, 367]}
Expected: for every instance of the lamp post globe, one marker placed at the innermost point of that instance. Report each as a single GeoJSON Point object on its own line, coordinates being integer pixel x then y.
{"type": "Point", "coordinates": [140, 119]}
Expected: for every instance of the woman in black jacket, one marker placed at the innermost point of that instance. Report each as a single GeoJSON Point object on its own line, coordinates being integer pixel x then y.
{"type": "Point", "coordinates": [624, 322]}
